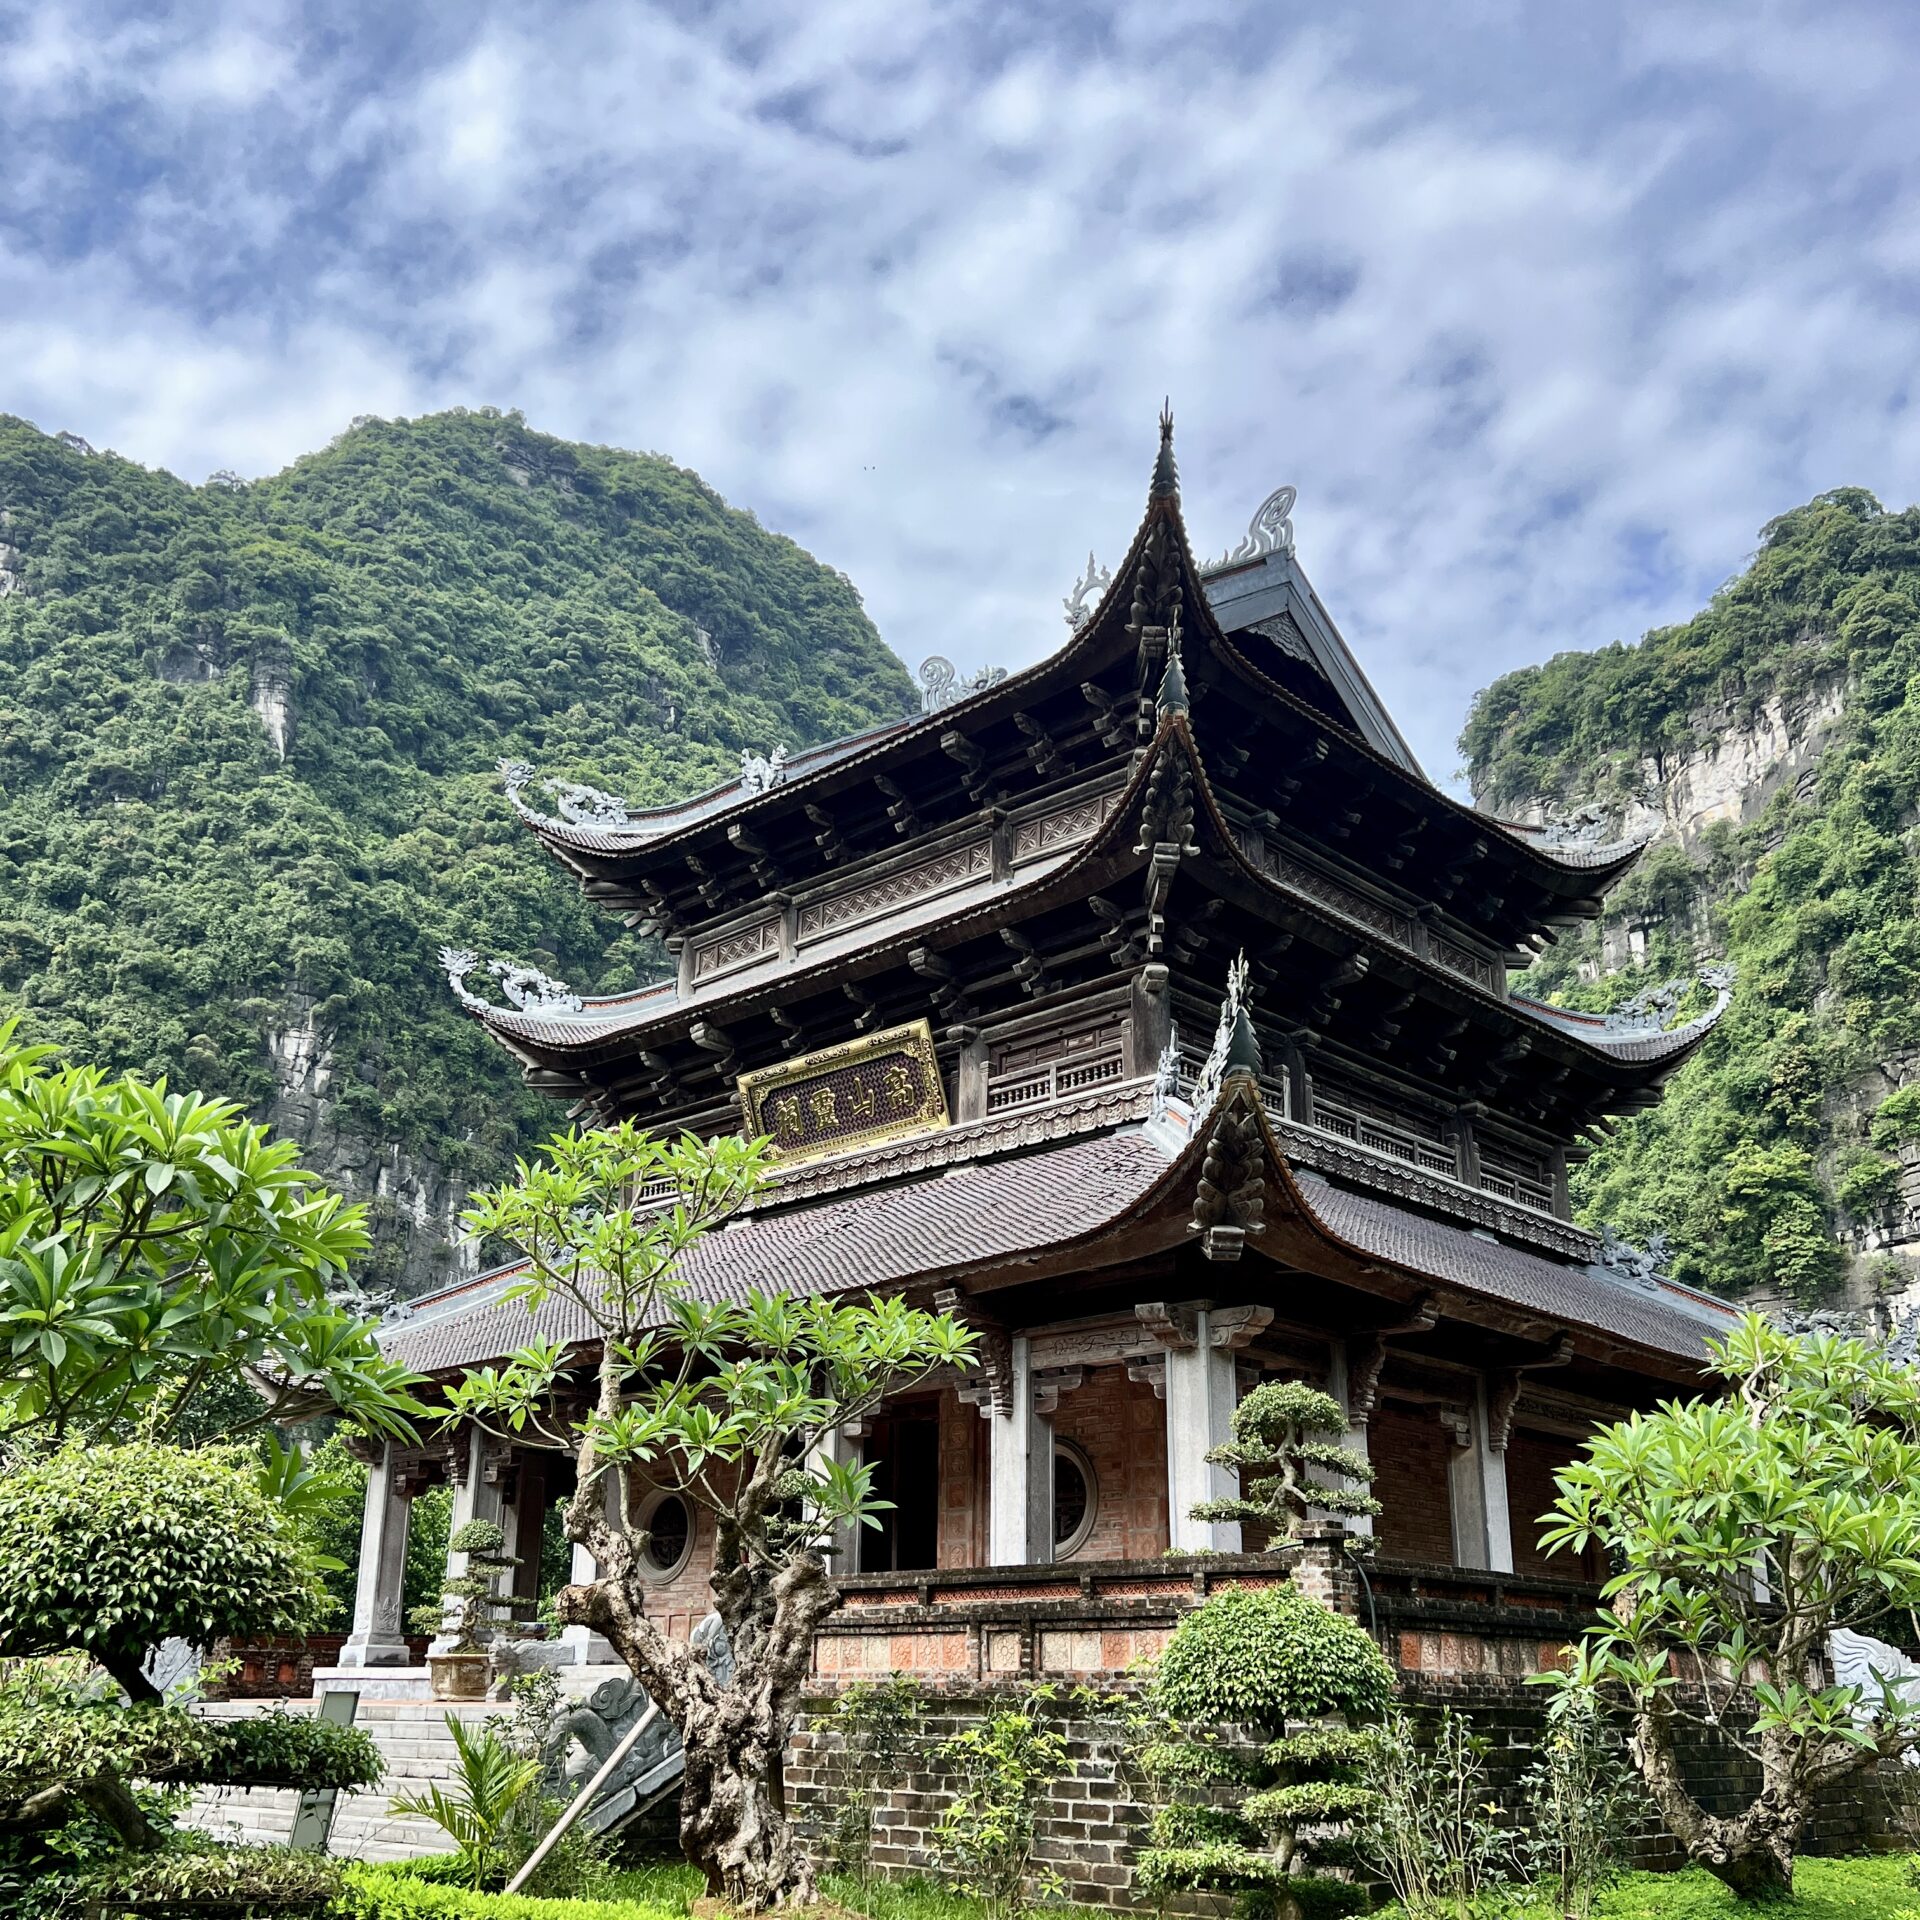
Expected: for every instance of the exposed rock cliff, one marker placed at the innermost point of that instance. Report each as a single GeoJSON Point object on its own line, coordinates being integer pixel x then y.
{"type": "Point", "coordinates": [1770, 749]}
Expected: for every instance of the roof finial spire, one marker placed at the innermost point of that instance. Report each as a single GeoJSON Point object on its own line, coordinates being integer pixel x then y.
{"type": "Point", "coordinates": [1172, 697]}
{"type": "Point", "coordinates": [1166, 476]}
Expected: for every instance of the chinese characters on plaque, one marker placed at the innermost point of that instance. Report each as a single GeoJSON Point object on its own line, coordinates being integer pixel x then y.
{"type": "Point", "coordinates": [884, 1086]}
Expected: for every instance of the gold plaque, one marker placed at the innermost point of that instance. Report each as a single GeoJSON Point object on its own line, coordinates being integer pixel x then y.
{"type": "Point", "coordinates": [883, 1086]}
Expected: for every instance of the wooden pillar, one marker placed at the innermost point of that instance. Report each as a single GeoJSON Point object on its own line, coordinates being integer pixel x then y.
{"type": "Point", "coordinates": [378, 1637]}
{"type": "Point", "coordinates": [476, 1496]}
{"type": "Point", "coordinates": [526, 1526]}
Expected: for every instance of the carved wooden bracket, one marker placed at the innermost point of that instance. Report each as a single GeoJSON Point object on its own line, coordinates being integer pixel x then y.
{"type": "Point", "coordinates": [1231, 1328]}
{"type": "Point", "coordinates": [1176, 1327]}
{"type": "Point", "coordinates": [1503, 1390]}
{"type": "Point", "coordinates": [990, 1386]}
{"type": "Point", "coordinates": [1367, 1356]}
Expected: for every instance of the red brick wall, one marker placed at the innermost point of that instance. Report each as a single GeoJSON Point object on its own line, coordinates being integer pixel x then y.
{"type": "Point", "coordinates": [1122, 1429]}
{"type": "Point", "coordinates": [682, 1602]}
{"type": "Point", "coordinates": [1532, 1461]}
{"type": "Point", "coordinates": [1409, 1449]}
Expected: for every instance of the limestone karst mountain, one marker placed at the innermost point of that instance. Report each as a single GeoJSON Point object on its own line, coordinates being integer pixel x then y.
{"type": "Point", "coordinates": [1771, 745]}
{"type": "Point", "coordinates": [247, 745]}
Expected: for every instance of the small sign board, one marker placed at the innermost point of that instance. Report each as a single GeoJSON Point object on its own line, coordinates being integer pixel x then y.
{"type": "Point", "coordinates": [883, 1086]}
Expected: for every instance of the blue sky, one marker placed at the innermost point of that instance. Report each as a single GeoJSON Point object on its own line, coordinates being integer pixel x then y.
{"type": "Point", "coordinates": [1545, 311]}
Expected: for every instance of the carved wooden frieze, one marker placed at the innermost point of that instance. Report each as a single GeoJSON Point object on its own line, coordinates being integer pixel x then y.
{"type": "Point", "coordinates": [883, 1086]}
{"type": "Point", "coordinates": [855, 905]}
{"type": "Point", "coordinates": [741, 949]}
{"type": "Point", "coordinates": [1063, 828]}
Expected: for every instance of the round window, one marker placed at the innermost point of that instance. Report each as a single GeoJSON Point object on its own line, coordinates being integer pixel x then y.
{"type": "Point", "coordinates": [1075, 1497]}
{"type": "Point", "coordinates": [669, 1524]}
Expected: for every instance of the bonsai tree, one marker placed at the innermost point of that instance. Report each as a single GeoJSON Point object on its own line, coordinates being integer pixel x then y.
{"type": "Point", "coordinates": [1286, 1468]}
{"type": "Point", "coordinates": [166, 1268]}
{"type": "Point", "coordinates": [109, 1550]}
{"type": "Point", "coordinates": [1744, 1529]}
{"type": "Point", "coordinates": [1262, 1691]}
{"type": "Point", "coordinates": [732, 1404]}
{"type": "Point", "coordinates": [469, 1601]}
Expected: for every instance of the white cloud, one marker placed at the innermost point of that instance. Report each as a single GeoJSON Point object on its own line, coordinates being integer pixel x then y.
{"type": "Point", "coordinates": [910, 281]}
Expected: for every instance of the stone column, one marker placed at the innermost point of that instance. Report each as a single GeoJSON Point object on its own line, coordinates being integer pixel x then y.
{"type": "Point", "coordinates": [378, 1638]}
{"type": "Point", "coordinates": [1201, 1395]}
{"type": "Point", "coordinates": [475, 1497]}
{"type": "Point", "coordinates": [588, 1648]}
{"type": "Point", "coordinates": [1340, 1372]}
{"type": "Point", "coordinates": [841, 1448]}
{"type": "Point", "coordinates": [1020, 1471]}
{"type": "Point", "coordinates": [1477, 1482]}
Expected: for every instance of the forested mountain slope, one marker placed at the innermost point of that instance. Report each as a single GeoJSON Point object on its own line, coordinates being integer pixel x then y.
{"type": "Point", "coordinates": [1773, 742]}
{"type": "Point", "coordinates": [247, 741]}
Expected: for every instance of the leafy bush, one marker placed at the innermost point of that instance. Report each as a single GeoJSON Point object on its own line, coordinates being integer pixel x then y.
{"type": "Point", "coordinates": [878, 1727]}
{"type": "Point", "coordinates": [478, 1810]}
{"type": "Point", "coordinates": [383, 1893]}
{"type": "Point", "coordinates": [1432, 1832]}
{"type": "Point", "coordinates": [985, 1837]}
{"type": "Point", "coordinates": [1260, 1763]}
{"type": "Point", "coordinates": [237, 1883]}
{"type": "Point", "coordinates": [1580, 1805]}
{"type": "Point", "coordinates": [111, 1549]}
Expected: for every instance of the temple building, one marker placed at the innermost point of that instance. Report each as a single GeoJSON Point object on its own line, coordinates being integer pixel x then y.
{"type": "Point", "coordinates": [1151, 1010]}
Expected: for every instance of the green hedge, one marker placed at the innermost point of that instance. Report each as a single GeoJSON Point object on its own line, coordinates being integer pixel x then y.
{"type": "Point", "coordinates": [375, 1893]}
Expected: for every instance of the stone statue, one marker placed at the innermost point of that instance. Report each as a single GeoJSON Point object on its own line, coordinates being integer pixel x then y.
{"type": "Point", "coordinates": [941, 684]}
{"type": "Point", "coordinates": [588, 1732]}
{"type": "Point", "coordinates": [1080, 603]}
{"type": "Point", "coordinates": [760, 771]}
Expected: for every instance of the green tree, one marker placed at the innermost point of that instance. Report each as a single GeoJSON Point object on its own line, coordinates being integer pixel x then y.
{"type": "Point", "coordinates": [1745, 1529]}
{"type": "Point", "coordinates": [730, 1404]}
{"type": "Point", "coordinates": [1264, 1691]}
{"type": "Point", "coordinates": [1287, 1467]}
{"type": "Point", "coordinates": [165, 1268]}
{"type": "Point", "coordinates": [111, 1549]}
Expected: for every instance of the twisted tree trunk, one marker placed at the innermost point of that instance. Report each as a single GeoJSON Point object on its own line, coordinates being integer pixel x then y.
{"type": "Point", "coordinates": [733, 1823]}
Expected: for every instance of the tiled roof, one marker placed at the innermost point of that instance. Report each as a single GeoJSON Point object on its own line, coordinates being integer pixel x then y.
{"type": "Point", "coordinates": [962, 1217]}
{"type": "Point", "coordinates": [1623, 1043]}
{"type": "Point", "coordinates": [981, 1213]}
{"type": "Point", "coordinates": [1667, 1318]}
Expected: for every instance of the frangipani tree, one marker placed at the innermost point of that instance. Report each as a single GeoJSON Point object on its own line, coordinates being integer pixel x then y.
{"type": "Point", "coordinates": [731, 1403]}
{"type": "Point", "coordinates": [1743, 1531]}
{"type": "Point", "coordinates": [167, 1269]}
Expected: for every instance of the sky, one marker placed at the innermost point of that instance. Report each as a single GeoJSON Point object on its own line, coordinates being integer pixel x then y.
{"type": "Point", "coordinates": [1544, 310]}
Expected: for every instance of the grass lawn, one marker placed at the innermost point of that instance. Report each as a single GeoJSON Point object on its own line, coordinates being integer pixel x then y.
{"type": "Point", "coordinates": [1874, 1887]}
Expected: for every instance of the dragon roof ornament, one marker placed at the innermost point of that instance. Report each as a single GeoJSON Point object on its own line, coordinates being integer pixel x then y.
{"type": "Point", "coordinates": [578, 805]}
{"type": "Point", "coordinates": [1080, 603]}
{"type": "Point", "coordinates": [941, 683]}
{"type": "Point", "coordinates": [1638, 1266]}
{"type": "Point", "coordinates": [527, 989]}
{"type": "Point", "coordinates": [1269, 531]}
{"type": "Point", "coordinates": [759, 772]}
{"type": "Point", "coordinates": [1654, 1011]}
{"type": "Point", "coordinates": [1585, 826]}
{"type": "Point", "coordinates": [1206, 1089]}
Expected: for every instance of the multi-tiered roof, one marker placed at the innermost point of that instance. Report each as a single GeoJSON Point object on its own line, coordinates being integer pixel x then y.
{"type": "Point", "coordinates": [1055, 868]}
